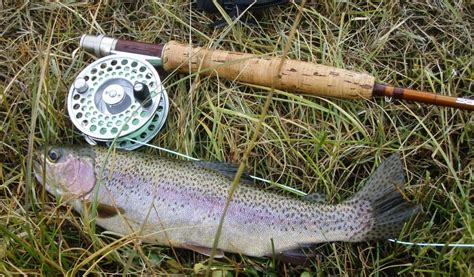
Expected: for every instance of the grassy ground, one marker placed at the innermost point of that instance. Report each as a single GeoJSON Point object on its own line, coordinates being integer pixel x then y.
{"type": "Point", "coordinates": [309, 143]}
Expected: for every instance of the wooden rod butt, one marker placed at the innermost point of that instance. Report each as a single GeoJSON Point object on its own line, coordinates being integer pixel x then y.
{"type": "Point", "coordinates": [141, 48]}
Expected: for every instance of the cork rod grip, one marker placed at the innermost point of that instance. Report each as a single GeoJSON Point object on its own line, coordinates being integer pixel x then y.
{"type": "Point", "coordinates": [296, 76]}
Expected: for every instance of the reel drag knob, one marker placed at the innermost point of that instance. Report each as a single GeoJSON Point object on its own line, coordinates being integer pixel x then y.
{"type": "Point", "coordinates": [142, 94]}
{"type": "Point", "coordinates": [118, 97]}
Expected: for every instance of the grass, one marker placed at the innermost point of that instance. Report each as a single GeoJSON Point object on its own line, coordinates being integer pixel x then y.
{"type": "Point", "coordinates": [308, 143]}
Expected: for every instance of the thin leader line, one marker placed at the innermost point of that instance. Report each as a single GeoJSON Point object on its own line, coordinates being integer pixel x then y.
{"type": "Point", "coordinates": [425, 244]}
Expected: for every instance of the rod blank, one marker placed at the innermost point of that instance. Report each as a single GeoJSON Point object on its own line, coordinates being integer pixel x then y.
{"type": "Point", "coordinates": [423, 97]}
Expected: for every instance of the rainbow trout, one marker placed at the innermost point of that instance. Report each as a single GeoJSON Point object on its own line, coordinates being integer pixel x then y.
{"type": "Point", "coordinates": [179, 203]}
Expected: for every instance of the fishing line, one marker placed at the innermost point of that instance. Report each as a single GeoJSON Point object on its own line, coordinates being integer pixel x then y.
{"type": "Point", "coordinates": [284, 187]}
{"type": "Point", "coordinates": [425, 244]}
{"type": "Point", "coordinates": [301, 193]}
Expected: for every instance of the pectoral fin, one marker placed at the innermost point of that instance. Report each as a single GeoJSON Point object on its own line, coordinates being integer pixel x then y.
{"type": "Point", "coordinates": [202, 249]}
{"type": "Point", "coordinates": [104, 210]}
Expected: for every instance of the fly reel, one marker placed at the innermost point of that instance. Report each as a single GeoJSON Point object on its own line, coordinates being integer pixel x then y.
{"type": "Point", "coordinates": [118, 97]}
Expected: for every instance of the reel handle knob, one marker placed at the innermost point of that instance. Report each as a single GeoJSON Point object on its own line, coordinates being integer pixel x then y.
{"type": "Point", "coordinates": [142, 94]}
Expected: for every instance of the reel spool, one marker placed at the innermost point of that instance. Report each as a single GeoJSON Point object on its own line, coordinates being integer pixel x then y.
{"type": "Point", "coordinates": [121, 97]}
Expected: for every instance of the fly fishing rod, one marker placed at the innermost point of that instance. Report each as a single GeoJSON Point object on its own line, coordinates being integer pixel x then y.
{"type": "Point", "coordinates": [119, 97]}
{"type": "Point", "coordinates": [297, 76]}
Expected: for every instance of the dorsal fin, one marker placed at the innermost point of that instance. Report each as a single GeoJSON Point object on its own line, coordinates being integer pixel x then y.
{"type": "Point", "coordinates": [315, 197]}
{"type": "Point", "coordinates": [226, 169]}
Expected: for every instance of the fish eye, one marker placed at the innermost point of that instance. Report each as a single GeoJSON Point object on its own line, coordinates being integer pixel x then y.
{"type": "Point", "coordinates": [54, 155]}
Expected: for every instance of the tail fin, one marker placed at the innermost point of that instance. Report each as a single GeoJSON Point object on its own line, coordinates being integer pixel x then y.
{"type": "Point", "coordinates": [389, 210]}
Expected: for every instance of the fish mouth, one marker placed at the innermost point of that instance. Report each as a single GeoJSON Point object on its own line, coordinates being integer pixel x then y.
{"type": "Point", "coordinates": [38, 170]}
